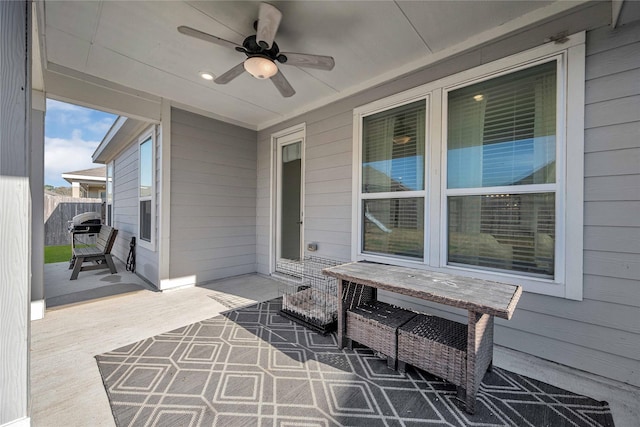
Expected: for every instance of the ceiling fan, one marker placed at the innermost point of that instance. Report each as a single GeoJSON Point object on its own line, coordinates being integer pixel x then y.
{"type": "Point", "coordinates": [263, 53]}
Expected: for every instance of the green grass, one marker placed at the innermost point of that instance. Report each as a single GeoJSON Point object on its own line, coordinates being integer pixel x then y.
{"type": "Point", "coordinates": [57, 254]}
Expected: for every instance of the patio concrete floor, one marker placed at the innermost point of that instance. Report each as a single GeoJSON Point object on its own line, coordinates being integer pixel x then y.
{"type": "Point", "coordinates": [100, 312]}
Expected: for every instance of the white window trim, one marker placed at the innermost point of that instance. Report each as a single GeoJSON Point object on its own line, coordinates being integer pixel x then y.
{"type": "Point", "coordinates": [110, 203]}
{"type": "Point", "coordinates": [359, 115]}
{"type": "Point", "coordinates": [568, 279]}
{"type": "Point", "coordinates": [150, 245]}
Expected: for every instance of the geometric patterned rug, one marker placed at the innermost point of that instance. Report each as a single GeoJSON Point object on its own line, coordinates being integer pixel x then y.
{"type": "Point", "coordinates": [253, 367]}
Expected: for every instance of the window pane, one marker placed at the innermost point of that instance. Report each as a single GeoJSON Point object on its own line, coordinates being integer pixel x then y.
{"type": "Point", "coordinates": [393, 149]}
{"type": "Point", "coordinates": [503, 131]}
{"type": "Point", "coordinates": [145, 220]}
{"type": "Point", "coordinates": [109, 182]}
{"type": "Point", "coordinates": [394, 226]}
{"type": "Point", "coordinates": [504, 231]}
{"type": "Point", "coordinates": [146, 168]}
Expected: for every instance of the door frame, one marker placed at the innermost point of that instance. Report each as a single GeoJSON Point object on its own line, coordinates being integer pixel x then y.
{"type": "Point", "coordinates": [279, 139]}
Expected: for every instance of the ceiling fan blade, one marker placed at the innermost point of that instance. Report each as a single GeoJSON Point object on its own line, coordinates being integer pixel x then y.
{"type": "Point", "coordinates": [268, 23]}
{"type": "Point", "coordinates": [188, 31]}
{"type": "Point", "coordinates": [282, 84]}
{"type": "Point", "coordinates": [319, 62]}
{"type": "Point", "coordinates": [230, 75]}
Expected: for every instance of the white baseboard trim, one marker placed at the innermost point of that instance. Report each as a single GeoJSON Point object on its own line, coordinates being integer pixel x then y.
{"type": "Point", "coordinates": [622, 398]}
{"type": "Point", "coordinates": [177, 283]}
{"type": "Point", "coordinates": [37, 309]}
{"type": "Point", "coordinates": [22, 422]}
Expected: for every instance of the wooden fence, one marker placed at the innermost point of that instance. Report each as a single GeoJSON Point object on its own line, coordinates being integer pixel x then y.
{"type": "Point", "coordinates": [59, 210]}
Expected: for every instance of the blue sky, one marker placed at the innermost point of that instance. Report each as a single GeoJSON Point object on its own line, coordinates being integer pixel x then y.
{"type": "Point", "coordinates": [71, 135]}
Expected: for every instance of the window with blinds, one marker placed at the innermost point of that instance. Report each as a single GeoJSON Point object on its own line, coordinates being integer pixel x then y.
{"type": "Point", "coordinates": [501, 154]}
{"type": "Point", "coordinates": [146, 190]}
{"type": "Point", "coordinates": [392, 192]}
{"type": "Point", "coordinates": [393, 150]}
{"type": "Point", "coordinates": [109, 195]}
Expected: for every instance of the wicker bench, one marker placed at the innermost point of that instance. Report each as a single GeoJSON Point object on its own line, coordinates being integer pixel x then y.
{"type": "Point", "coordinates": [459, 353]}
{"type": "Point", "coordinates": [99, 255]}
{"type": "Point", "coordinates": [435, 345]}
{"type": "Point", "coordinates": [375, 325]}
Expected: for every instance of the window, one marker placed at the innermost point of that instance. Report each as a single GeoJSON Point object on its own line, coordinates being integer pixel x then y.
{"type": "Point", "coordinates": [109, 195]}
{"type": "Point", "coordinates": [393, 181]}
{"type": "Point", "coordinates": [501, 162]}
{"type": "Point", "coordinates": [469, 174]}
{"type": "Point", "coordinates": [146, 194]}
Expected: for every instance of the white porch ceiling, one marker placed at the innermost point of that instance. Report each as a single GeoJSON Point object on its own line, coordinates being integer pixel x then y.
{"type": "Point", "coordinates": [136, 44]}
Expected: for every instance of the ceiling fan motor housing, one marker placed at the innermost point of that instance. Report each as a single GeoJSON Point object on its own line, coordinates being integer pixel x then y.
{"type": "Point", "coordinates": [251, 48]}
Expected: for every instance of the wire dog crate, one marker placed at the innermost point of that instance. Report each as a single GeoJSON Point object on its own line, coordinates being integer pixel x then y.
{"type": "Point", "coordinates": [314, 301]}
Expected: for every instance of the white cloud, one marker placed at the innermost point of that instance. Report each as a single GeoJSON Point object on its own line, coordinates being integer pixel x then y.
{"type": "Point", "coordinates": [72, 134]}
{"type": "Point", "coordinates": [67, 155]}
{"type": "Point", "coordinates": [101, 126]}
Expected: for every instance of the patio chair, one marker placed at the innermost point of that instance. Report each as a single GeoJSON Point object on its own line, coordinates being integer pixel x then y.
{"type": "Point", "coordinates": [99, 255]}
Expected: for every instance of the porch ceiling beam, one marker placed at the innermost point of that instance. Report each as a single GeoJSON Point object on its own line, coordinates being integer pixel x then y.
{"type": "Point", "coordinates": [68, 85]}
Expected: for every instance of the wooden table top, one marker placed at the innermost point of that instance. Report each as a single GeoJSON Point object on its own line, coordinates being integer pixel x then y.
{"type": "Point", "coordinates": [483, 296]}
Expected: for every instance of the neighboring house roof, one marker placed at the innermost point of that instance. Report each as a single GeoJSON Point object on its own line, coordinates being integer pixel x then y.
{"type": "Point", "coordinates": [93, 175]}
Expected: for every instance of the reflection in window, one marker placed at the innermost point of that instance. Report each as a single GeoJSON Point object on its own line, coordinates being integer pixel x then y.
{"type": "Point", "coordinates": [145, 220]}
{"type": "Point", "coordinates": [146, 189]}
{"type": "Point", "coordinates": [505, 231]}
{"type": "Point", "coordinates": [394, 227]}
{"type": "Point", "coordinates": [109, 195]}
{"type": "Point", "coordinates": [502, 131]}
{"type": "Point", "coordinates": [393, 149]}
{"type": "Point", "coordinates": [146, 168]}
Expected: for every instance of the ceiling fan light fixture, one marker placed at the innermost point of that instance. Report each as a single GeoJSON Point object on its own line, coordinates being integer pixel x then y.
{"type": "Point", "coordinates": [260, 67]}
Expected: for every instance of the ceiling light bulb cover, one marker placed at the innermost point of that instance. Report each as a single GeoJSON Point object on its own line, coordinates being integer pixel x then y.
{"type": "Point", "coordinates": [206, 75]}
{"type": "Point", "coordinates": [260, 68]}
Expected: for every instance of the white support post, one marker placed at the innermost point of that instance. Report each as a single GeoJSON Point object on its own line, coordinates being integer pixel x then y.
{"type": "Point", "coordinates": [164, 214]}
{"type": "Point", "coordinates": [15, 210]}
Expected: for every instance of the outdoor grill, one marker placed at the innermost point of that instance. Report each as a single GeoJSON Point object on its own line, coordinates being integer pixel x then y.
{"type": "Point", "coordinates": [88, 222]}
{"type": "Point", "coordinates": [83, 229]}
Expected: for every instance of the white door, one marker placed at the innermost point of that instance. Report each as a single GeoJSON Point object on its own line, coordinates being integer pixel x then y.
{"type": "Point", "coordinates": [289, 189]}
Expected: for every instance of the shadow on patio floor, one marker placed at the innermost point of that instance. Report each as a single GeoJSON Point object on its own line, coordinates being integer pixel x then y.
{"type": "Point", "coordinates": [90, 285]}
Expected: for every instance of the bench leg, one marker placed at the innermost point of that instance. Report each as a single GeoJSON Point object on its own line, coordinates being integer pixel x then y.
{"type": "Point", "coordinates": [112, 266]}
{"type": "Point", "coordinates": [392, 363]}
{"type": "Point", "coordinates": [77, 266]}
{"type": "Point", "coordinates": [479, 355]}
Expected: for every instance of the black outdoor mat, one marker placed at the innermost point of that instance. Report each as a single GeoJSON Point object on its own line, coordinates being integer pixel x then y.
{"type": "Point", "coordinates": [253, 367]}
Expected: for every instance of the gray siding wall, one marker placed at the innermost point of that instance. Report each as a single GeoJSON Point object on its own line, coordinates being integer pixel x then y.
{"type": "Point", "coordinates": [213, 198]}
{"type": "Point", "coordinates": [125, 210]}
{"type": "Point", "coordinates": [600, 334]}
{"type": "Point", "coordinates": [15, 210]}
